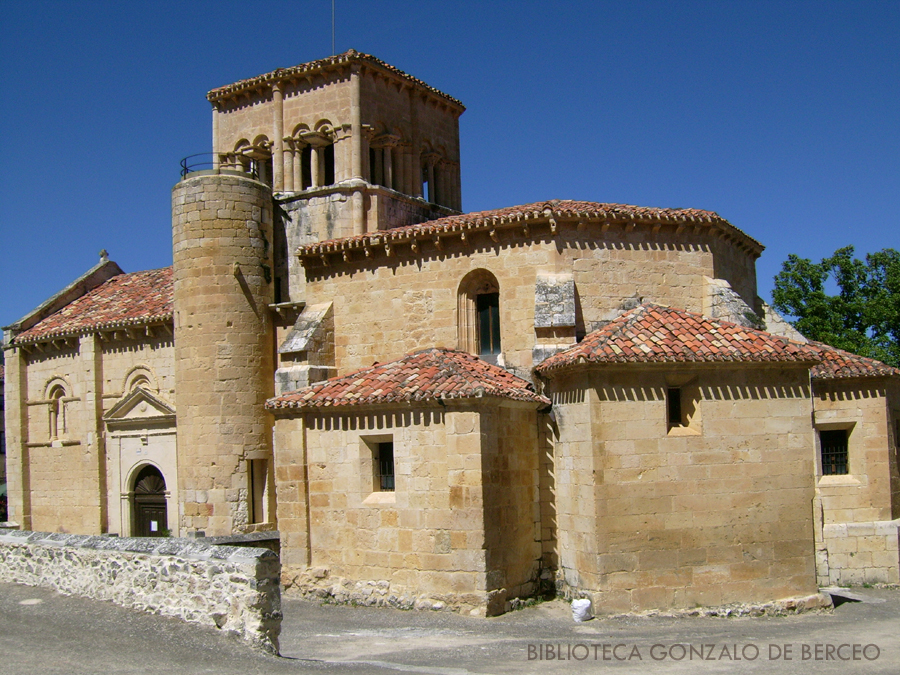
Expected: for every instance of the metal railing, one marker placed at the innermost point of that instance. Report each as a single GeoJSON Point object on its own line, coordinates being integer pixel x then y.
{"type": "Point", "coordinates": [206, 161]}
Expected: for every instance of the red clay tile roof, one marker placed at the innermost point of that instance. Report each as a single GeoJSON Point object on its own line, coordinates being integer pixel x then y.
{"type": "Point", "coordinates": [426, 375]}
{"type": "Point", "coordinates": [510, 215]}
{"type": "Point", "coordinates": [654, 334]}
{"type": "Point", "coordinates": [125, 300]}
{"type": "Point", "coordinates": [303, 69]}
{"type": "Point", "coordinates": [838, 364]}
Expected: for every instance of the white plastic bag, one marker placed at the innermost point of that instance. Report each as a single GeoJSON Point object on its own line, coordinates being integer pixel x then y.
{"type": "Point", "coordinates": [581, 610]}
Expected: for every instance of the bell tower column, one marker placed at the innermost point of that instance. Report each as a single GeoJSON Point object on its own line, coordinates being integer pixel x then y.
{"type": "Point", "coordinates": [278, 137]}
{"type": "Point", "coordinates": [224, 372]}
{"type": "Point", "coordinates": [359, 223]}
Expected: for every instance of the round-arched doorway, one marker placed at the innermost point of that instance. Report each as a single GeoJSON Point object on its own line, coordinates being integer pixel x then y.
{"type": "Point", "coordinates": [150, 503]}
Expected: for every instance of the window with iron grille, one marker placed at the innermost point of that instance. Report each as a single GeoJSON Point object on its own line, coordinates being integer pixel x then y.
{"type": "Point", "coordinates": [384, 467]}
{"type": "Point", "coordinates": [833, 443]}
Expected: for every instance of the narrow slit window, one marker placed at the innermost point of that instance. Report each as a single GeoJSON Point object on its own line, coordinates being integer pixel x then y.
{"type": "Point", "coordinates": [834, 452]}
{"type": "Point", "coordinates": [384, 467]}
{"type": "Point", "coordinates": [673, 403]}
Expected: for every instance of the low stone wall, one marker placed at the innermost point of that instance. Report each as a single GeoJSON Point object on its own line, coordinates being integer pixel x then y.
{"type": "Point", "coordinates": [234, 589]}
{"type": "Point", "coordinates": [858, 553]}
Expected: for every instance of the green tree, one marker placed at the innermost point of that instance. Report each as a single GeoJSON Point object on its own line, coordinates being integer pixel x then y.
{"type": "Point", "coordinates": [863, 317]}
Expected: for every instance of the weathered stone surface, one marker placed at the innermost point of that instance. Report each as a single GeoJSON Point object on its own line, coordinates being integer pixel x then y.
{"type": "Point", "coordinates": [235, 589]}
{"type": "Point", "coordinates": [554, 300]}
{"type": "Point", "coordinates": [725, 304]}
{"type": "Point", "coordinates": [307, 329]}
{"type": "Point", "coordinates": [775, 323]}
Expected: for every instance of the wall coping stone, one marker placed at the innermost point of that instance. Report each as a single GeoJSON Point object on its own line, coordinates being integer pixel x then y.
{"type": "Point", "coordinates": [192, 549]}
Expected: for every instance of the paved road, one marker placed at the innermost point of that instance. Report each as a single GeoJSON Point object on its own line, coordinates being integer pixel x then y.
{"type": "Point", "coordinates": [42, 632]}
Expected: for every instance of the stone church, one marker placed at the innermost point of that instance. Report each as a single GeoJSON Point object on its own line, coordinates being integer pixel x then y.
{"type": "Point", "coordinates": [447, 409]}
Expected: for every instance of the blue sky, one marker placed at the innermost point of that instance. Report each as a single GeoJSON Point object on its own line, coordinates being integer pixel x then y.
{"type": "Point", "coordinates": [780, 116]}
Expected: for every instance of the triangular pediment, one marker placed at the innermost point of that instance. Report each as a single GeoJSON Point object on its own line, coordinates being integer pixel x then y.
{"type": "Point", "coordinates": [140, 405]}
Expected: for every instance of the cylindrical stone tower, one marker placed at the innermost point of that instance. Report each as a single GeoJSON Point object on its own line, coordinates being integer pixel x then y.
{"type": "Point", "coordinates": [221, 234]}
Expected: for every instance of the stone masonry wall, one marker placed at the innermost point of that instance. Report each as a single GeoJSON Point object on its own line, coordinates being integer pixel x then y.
{"type": "Point", "coordinates": [858, 513]}
{"type": "Point", "coordinates": [715, 512]}
{"type": "Point", "coordinates": [372, 297]}
{"type": "Point", "coordinates": [234, 589]}
{"type": "Point", "coordinates": [511, 503]}
{"type": "Point", "coordinates": [850, 554]}
{"type": "Point", "coordinates": [73, 483]}
{"type": "Point", "coordinates": [424, 544]}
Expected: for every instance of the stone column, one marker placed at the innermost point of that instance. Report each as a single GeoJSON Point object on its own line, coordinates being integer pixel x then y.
{"type": "Point", "coordinates": [298, 166]}
{"type": "Point", "coordinates": [93, 442]}
{"type": "Point", "coordinates": [18, 477]}
{"type": "Point", "coordinates": [289, 166]}
{"type": "Point", "coordinates": [224, 369]}
{"type": "Point", "coordinates": [343, 139]}
{"type": "Point", "coordinates": [315, 166]}
{"type": "Point", "coordinates": [292, 486]}
{"type": "Point", "coordinates": [416, 169]}
{"type": "Point", "coordinates": [359, 223]}
{"type": "Point", "coordinates": [278, 125]}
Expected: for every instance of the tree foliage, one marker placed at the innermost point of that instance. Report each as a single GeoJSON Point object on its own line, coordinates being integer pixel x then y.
{"type": "Point", "coordinates": [863, 317]}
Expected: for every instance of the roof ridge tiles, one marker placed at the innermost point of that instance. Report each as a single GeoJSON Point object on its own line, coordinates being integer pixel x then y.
{"type": "Point", "coordinates": [510, 214]}
{"type": "Point", "coordinates": [321, 64]}
{"type": "Point", "coordinates": [429, 374]}
{"type": "Point", "coordinates": [840, 364]}
{"type": "Point", "coordinates": [654, 333]}
{"type": "Point", "coordinates": [125, 300]}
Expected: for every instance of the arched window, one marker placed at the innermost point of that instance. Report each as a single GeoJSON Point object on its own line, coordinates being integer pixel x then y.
{"type": "Point", "coordinates": [57, 412]}
{"type": "Point", "coordinates": [478, 312]}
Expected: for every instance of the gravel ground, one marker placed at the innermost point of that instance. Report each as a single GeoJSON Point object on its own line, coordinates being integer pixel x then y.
{"type": "Point", "coordinates": [42, 632]}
